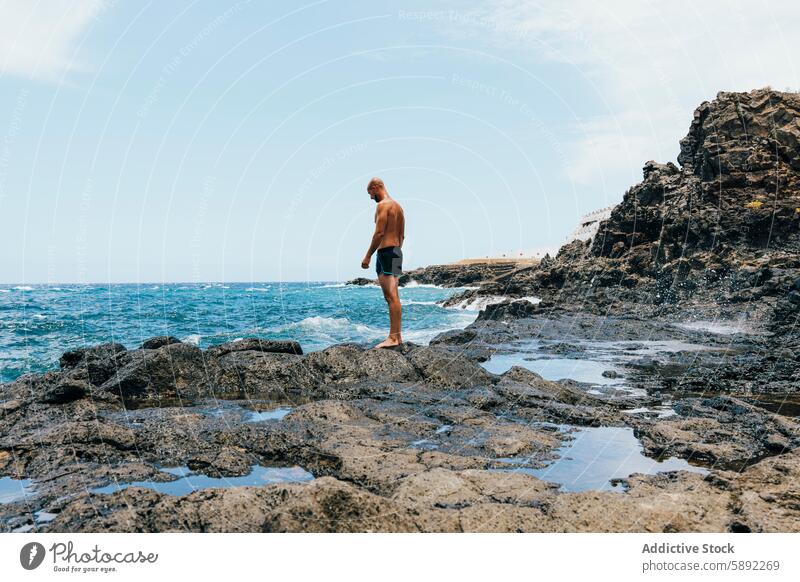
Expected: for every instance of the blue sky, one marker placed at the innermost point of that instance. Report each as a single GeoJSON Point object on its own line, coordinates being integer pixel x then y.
{"type": "Point", "coordinates": [199, 141]}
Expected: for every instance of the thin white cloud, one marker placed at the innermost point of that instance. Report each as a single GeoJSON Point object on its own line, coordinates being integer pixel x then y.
{"type": "Point", "coordinates": [38, 37]}
{"type": "Point", "coordinates": [651, 63]}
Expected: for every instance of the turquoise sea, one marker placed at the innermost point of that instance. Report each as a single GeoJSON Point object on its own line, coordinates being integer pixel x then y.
{"type": "Point", "coordinates": [39, 322]}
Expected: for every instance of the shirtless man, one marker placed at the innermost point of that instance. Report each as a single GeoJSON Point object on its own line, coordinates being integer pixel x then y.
{"type": "Point", "coordinates": [388, 238]}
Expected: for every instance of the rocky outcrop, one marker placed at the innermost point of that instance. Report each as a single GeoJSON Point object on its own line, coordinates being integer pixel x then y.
{"type": "Point", "coordinates": [454, 274]}
{"type": "Point", "coordinates": [508, 309]}
{"type": "Point", "coordinates": [720, 230]}
{"type": "Point", "coordinates": [159, 341]}
{"type": "Point", "coordinates": [175, 370]}
{"type": "Point", "coordinates": [256, 344]}
{"type": "Point", "coordinates": [412, 439]}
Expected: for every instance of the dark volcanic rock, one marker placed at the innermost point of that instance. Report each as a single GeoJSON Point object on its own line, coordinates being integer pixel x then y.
{"type": "Point", "coordinates": [98, 362]}
{"type": "Point", "coordinates": [508, 310]}
{"type": "Point", "coordinates": [454, 337]}
{"type": "Point", "coordinates": [345, 363]}
{"type": "Point", "coordinates": [718, 231]}
{"type": "Point", "coordinates": [65, 391]}
{"type": "Point", "coordinates": [257, 345]}
{"type": "Point", "coordinates": [721, 430]}
{"type": "Point", "coordinates": [449, 368]}
{"type": "Point", "coordinates": [455, 274]}
{"type": "Point", "coordinates": [249, 373]}
{"type": "Point", "coordinates": [361, 281]}
{"type": "Point", "coordinates": [159, 341]}
{"type": "Point", "coordinates": [172, 371]}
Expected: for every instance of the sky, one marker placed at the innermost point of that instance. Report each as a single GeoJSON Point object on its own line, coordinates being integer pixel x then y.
{"type": "Point", "coordinates": [199, 141]}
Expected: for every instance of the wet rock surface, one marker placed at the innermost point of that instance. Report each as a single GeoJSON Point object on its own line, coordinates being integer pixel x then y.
{"type": "Point", "coordinates": [414, 439]}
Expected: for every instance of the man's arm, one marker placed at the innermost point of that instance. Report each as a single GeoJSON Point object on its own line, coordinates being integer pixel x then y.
{"type": "Point", "coordinates": [381, 218]}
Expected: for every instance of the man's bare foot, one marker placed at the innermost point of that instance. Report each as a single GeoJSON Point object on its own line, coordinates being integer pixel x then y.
{"type": "Point", "coordinates": [389, 342]}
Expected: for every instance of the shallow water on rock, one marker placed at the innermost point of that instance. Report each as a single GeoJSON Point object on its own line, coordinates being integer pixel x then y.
{"type": "Point", "coordinates": [12, 490]}
{"type": "Point", "coordinates": [247, 414]}
{"type": "Point", "coordinates": [595, 457]}
{"type": "Point", "coordinates": [188, 481]}
{"type": "Point", "coordinates": [588, 371]}
{"type": "Point", "coordinates": [274, 414]}
{"type": "Point", "coordinates": [585, 361]}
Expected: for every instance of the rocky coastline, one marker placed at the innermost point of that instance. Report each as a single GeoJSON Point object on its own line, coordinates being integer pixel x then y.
{"type": "Point", "coordinates": [455, 274]}
{"type": "Point", "coordinates": [675, 325]}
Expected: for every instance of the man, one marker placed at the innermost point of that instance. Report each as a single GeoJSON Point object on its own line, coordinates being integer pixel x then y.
{"type": "Point", "coordinates": [388, 238]}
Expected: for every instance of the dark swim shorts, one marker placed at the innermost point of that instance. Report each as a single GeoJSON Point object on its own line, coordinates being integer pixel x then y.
{"type": "Point", "coordinates": [389, 261]}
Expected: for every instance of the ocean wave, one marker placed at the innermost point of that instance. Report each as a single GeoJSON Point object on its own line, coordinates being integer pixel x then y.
{"type": "Point", "coordinates": [326, 325]}
{"type": "Point", "coordinates": [335, 285]}
{"type": "Point", "coordinates": [193, 339]}
{"type": "Point", "coordinates": [351, 286]}
{"type": "Point", "coordinates": [5, 291]}
{"type": "Point", "coordinates": [424, 336]}
{"type": "Point", "coordinates": [419, 303]}
{"type": "Point", "coordinates": [415, 285]}
{"type": "Point", "coordinates": [23, 288]}
{"type": "Point", "coordinates": [483, 301]}
{"type": "Point", "coordinates": [251, 289]}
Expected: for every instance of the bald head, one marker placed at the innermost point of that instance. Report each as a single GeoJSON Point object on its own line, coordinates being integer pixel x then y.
{"type": "Point", "coordinates": [376, 189]}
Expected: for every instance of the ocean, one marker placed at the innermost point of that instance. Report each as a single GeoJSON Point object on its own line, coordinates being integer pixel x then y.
{"type": "Point", "coordinates": [40, 322]}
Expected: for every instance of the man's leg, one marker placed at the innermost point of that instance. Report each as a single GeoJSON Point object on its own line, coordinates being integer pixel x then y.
{"type": "Point", "coordinates": [388, 285]}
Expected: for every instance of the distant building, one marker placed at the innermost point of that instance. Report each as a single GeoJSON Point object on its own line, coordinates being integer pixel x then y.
{"type": "Point", "coordinates": [587, 227]}
{"type": "Point", "coordinates": [589, 224]}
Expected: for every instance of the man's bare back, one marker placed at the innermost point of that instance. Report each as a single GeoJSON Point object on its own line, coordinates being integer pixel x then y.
{"type": "Point", "coordinates": [394, 231]}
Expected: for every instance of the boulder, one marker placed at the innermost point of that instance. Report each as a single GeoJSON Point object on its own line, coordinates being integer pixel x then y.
{"type": "Point", "coordinates": [446, 368]}
{"type": "Point", "coordinates": [159, 341]}
{"type": "Point", "coordinates": [64, 391]}
{"type": "Point", "coordinates": [257, 345]}
{"type": "Point", "coordinates": [508, 310]}
{"type": "Point", "coordinates": [349, 363]}
{"type": "Point", "coordinates": [268, 374]}
{"type": "Point", "coordinates": [100, 362]}
{"type": "Point", "coordinates": [175, 370]}
{"type": "Point", "coordinates": [454, 337]}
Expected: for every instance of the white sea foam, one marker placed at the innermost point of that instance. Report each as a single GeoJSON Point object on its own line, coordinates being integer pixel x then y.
{"type": "Point", "coordinates": [419, 302]}
{"type": "Point", "coordinates": [414, 284]}
{"type": "Point", "coordinates": [193, 339]}
{"type": "Point", "coordinates": [23, 288]}
{"type": "Point", "coordinates": [328, 325]}
{"type": "Point", "coordinates": [251, 289]}
{"type": "Point", "coordinates": [482, 301]}
{"type": "Point", "coordinates": [4, 291]}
